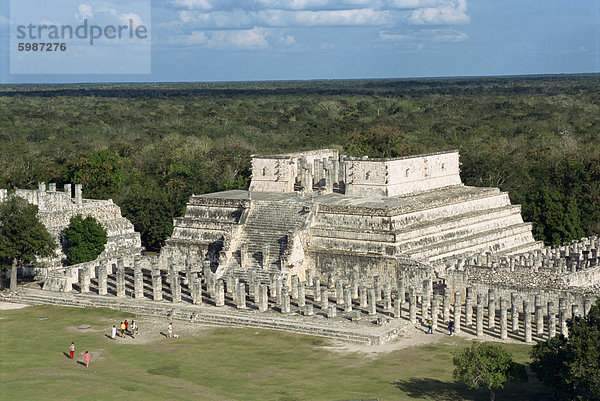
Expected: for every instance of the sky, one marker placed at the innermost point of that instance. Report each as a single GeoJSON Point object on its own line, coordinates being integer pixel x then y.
{"type": "Point", "coordinates": [235, 40]}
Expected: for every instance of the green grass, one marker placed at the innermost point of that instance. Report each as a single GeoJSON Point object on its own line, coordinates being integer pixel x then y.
{"type": "Point", "coordinates": [238, 364]}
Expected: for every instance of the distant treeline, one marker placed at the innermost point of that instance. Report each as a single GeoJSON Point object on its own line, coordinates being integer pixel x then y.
{"type": "Point", "coordinates": [150, 146]}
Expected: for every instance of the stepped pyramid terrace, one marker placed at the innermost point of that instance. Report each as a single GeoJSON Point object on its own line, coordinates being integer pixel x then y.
{"type": "Point", "coordinates": [341, 215]}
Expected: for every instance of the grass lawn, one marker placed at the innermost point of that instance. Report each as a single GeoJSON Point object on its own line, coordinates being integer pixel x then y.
{"type": "Point", "coordinates": [218, 364]}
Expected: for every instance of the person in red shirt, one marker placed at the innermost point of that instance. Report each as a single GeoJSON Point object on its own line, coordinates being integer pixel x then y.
{"type": "Point", "coordinates": [126, 327]}
{"type": "Point", "coordinates": [72, 351]}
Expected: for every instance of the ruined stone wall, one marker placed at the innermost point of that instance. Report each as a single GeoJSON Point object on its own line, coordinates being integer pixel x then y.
{"type": "Point", "coordinates": [392, 177]}
{"type": "Point", "coordinates": [279, 173]}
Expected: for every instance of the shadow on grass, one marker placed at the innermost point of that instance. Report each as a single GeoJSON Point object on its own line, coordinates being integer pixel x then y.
{"type": "Point", "coordinates": [66, 354]}
{"type": "Point", "coordinates": [433, 389]}
{"type": "Point", "coordinates": [81, 363]}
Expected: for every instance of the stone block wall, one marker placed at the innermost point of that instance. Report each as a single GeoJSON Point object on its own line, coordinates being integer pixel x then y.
{"type": "Point", "coordinates": [401, 176]}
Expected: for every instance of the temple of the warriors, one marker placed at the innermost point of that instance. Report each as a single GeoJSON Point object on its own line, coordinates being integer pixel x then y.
{"type": "Point", "coordinates": [341, 215]}
{"type": "Point", "coordinates": [355, 249]}
{"type": "Point", "coordinates": [55, 209]}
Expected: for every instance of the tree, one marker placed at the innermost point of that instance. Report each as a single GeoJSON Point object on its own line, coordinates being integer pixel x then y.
{"type": "Point", "coordinates": [23, 238]}
{"type": "Point", "coordinates": [84, 239]}
{"type": "Point", "coordinates": [572, 365]}
{"type": "Point", "coordinates": [487, 366]}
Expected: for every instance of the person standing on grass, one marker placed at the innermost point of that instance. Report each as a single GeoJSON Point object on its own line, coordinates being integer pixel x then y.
{"type": "Point", "coordinates": [170, 330]}
{"type": "Point", "coordinates": [86, 359]}
{"type": "Point", "coordinates": [126, 327]}
{"type": "Point", "coordinates": [122, 329]}
{"type": "Point", "coordinates": [113, 332]}
{"type": "Point", "coordinates": [451, 327]}
{"type": "Point", "coordinates": [72, 351]}
{"type": "Point", "coordinates": [133, 328]}
{"type": "Point", "coordinates": [430, 326]}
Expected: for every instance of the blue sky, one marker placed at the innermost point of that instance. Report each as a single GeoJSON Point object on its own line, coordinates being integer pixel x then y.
{"type": "Point", "coordinates": [223, 40]}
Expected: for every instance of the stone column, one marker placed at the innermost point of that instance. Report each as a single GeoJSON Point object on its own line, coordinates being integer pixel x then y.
{"type": "Point", "coordinates": [425, 303]}
{"type": "Point", "coordinates": [446, 308]}
{"type": "Point", "coordinates": [387, 298]}
{"type": "Point", "coordinates": [265, 257]}
{"type": "Point", "coordinates": [587, 305]}
{"type": "Point", "coordinates": [397, 308]}
{"type": "Point", "coordinates": [362, 294]}
{"type": "Point", "coordinates": [469, 309]}
{"type": "Point", "coordinates": [401, 289]}
{"type": "Point", "coordinates": [563, 322]}
{"type": "Point", "coordinates": [354, 284]}
{"type": "Point", "coordinates": [78, 196]}
{"type": "Point", "coordinates": [539, 320]}
{"type": "Point", "coordinates": [285, 300]}
{"type": "Point", "coordinates": [491, 310]}
{"type": "Point", "coordinates": [412, 308]}
{"type": "Point", "coordinates": [551, 320]}
{"type": "Point", "coordinates": [371, 301]}
{"type": "Point", "coordinates": [457, 312]}
{"type": "Point", "coordinates": [157, 291]}
{"type": "Point", "coordinates": [301, 295]}
{"type": "Point", "coordinates": [479, 320]}
{"type": "Point", "coordinates": [84, 280]}
{"type": "Point", "coordinates": [308, 275]}
{"type": "Point", "coordinates": [331, 311]}
{"type": "Point", "coordinates": [434, 312]}
{"type": "Point", "coordinates": [244, 256]}
{"type": "Point", "coordinates": [175, 285]}
{"type": "Point", "coordinates": [120, 277]}
{"type": "Point", "coordinates": [278, 289]}
{"type": "Point", "coordinates": [527, 320]}
{"type": "Point", "coordinates": [309, 310]}
{"type": "Point", "coordinates": [324, 298]}
{"type": "Point", "coordinates": [295, 281]}
{"type": "Point", "coordinates": [347, 300]}
{"type": "Point", "coordinates": [220, 293]}
{"type": "Point", "coordinates": [138, 278]}
{"type": "Point", "coordinates": [263, 299]}
{"type": "Point", "coordinates": [377, 285]}
{"type": "Point", "coordinates": [102, 276]}
{"type": "Point", "coordinates": [316, 289]}
{"type": "Point", "coordinates": [503, 319]}
{"type": "Point", "coordinates": [241, 296]}
{"type": "Point", "coordinates": [514, 313]}
{"type": "Point", "coordinates": [339, 292]}
{"type": "Point", "coordinates": [196, 289]}
{"type": "Point", "coordinates": [234, 289]}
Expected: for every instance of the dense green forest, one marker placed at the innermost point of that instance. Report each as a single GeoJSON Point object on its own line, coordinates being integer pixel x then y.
{"type": "Point", "coordinates": [149, 146]}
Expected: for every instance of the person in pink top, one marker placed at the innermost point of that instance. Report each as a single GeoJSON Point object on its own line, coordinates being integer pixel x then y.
{"type": "Point", "coordinates": [86, 358]}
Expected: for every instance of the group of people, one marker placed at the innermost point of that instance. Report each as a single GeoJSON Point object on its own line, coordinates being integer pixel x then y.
{"type": "Point", "coordinates": [86, 356]}
{"type": "Point", "coordinates": [430, 327]}
{"type": "Point", "coordinates": [124, 328]}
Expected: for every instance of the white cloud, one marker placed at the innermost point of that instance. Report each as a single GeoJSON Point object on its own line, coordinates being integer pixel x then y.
{"type": "Point", "coordinates": [135, 18]}
{"type": "Point", "coordinates": [193, 4]}
{"type": "Point", "coordinates": [449, 13]}
{"type": "Point", "coordinates": [424, 35]}
{"type": "Point", "coordinates": [282, 18]}
{"type": "Point", "coordinates": [231, 39]}
{"type": "Point", "coordinates": [84, 11]}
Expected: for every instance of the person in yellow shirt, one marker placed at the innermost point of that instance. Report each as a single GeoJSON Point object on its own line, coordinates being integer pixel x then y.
{"type": "Point", "coordinates": [122, 329]}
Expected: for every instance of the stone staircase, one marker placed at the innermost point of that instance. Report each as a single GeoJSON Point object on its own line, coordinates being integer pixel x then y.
{"type": "Point", "coordinates": [268, 223]}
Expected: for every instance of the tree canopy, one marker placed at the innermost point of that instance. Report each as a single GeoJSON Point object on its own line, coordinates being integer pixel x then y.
{"type": "Point", "coordinates": [487, 366]}
{"type": "Point", "coordinates": [572, 365]}
{"type": "Point", "coordinates": [23, 238]}
{"type": "Point", "coordinates": [84, 239]}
